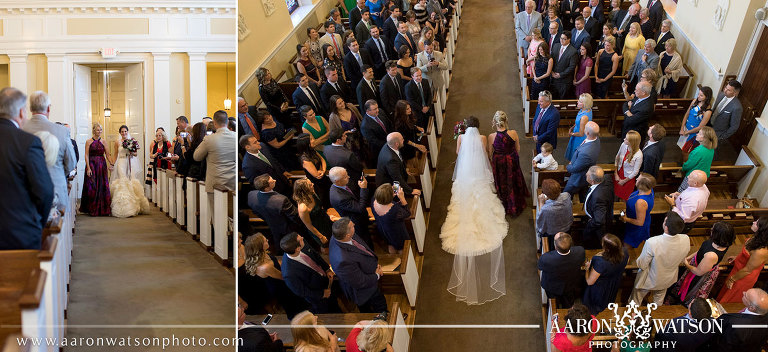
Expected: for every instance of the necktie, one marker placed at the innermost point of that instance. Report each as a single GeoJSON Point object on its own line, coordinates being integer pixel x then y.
{"type": "Point", "coordinates": [336, 86]}
{"type": "Point", "coordinates": [562, 50]}
{"type": "Point", "coordinates": [721, 105]}
{"type": "Point", "coordinates": [360, 247]}
{"type": "Point", "coordinates": [311, 263]}
{"type": "Point", "coordinates": [409, 42]}
{"type": "Point", "coordinates": [421, 92]}
{"type": "Point", "coordinates": [529, 21]}
{"type": "Point", "coordinates": [250, 124]}
{"type": "Point", "coordinates": [578, 33]}
{"type": "Point", "coordinates": [333, 37]}
{"type": "Point", "coordinates": [659, 38]}
{"type": "Point", "coordinates": [359, 60]}
{"type": "Point", "coordinates": [373, 88]}
{"type": "Point", "coordinates": [551, 40]}
{"type": "Point", "coordinates": [314, 99]}
{"type": "Point", "coordinates": [263, 158]}
{"type": "Point", "coordinates": [349, 190]}
{"type": "Point", "coordinates": [624, 22]}
{"type": "Point", "coordinates": [538, 120]}
{"type": "Point", "coordinates": [375, 118]}
{"type": "Point", "coordinates": [397, 86]}
{"type": "Point", "coordinates": [381, 50]}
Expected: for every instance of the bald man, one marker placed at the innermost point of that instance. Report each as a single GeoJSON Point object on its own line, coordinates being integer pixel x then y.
{"type": "Point", "coordinates": [744, 339]}
{"type": "Point", "coordinates": [584, 157]}
{"type": "Point", "coordinates": [391, 167]}
{"type": "Point", "coordinates": [690, 204]}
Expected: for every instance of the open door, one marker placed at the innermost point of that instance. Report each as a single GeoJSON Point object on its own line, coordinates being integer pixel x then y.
{"type": "Point", "coordinates": [82, 89]}
{"type": "Point", "coordinates": [134, 108]}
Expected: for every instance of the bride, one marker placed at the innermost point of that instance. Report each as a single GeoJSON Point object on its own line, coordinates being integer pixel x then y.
{"type": "Point", "coordinates": [127, 190]}
{"type": "Point", "coordinates": [475, 225]}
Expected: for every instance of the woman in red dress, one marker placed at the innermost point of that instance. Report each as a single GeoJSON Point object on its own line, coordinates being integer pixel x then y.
{"type": "Point", "coordinates": [628, 162]}
{"type": "Point", "coordinates": [160, 148]}
{"type": "Point", "coordinates": [504, 146]}
{"type": "Point", "coordinates": [566, 340]}
{"type": "Point", "coordinates": [747, 265]}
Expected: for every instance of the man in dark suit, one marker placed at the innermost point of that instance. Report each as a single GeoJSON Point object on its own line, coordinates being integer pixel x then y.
{"type": "Point", "coordinates": [276, 209]}
{"type": "Point", "coordinates": [569, 10]}
{"type": "Point", "coordinates": [598, 204]}
{"type": "Point", "coordinates": [591, 25]}
{"type": "Point", "coordinates": [377, 47]}
{"type": "Point", "coordinates": [545, 121]}
{"type": "Point", "coordinates": [337, 154]}
{"type": "Point", "coordinates": [363, 27]}
{"type": "Point", "coordinates": [367, 89]}
{"type": "Point", "coordinates": [726, 118]}
{"type": "Point", "coordinates": [580, 34]}
{"type": "Point", "coordinates": [655, 12]}
{"type": "Point", "coordinates": [565, 59]}
{"type": "Point", "coordinates": [391, 89]}
{"type": "Point", "coordinates": [334, 86]}
{"type": "Point", "coordinates": [356, 13]}
{"type": "Point", "coordinates": [390, 167]}
{"type": "Point", "coordinates": [354, 61]}
{"type": "Point", "coordinates": [638, 111]}
{"type": "Point", "coordinates": [27, 186]}
{"type": "Point", "coordinates": [390, 26]}
{"type": "Point", "coordinates": [418, 92]}
{"type": "Point", "coordinates": [259, 161]}
{"type": "Point", "coordinates": [740, 339]}
{"type": "Point", "coordinates": [597, 12]}
{"type": "Point", "coordinates": [255, 338]}
{"type": "Point", "coordinates": [404, 38]}
{"type": "Point", "coordinates": [349, 204]}
{"type": "Point", "coordinates": [653, 152]}
{"type": "Point", "coordinates": [624, 19]}
{"type": "Point", "coordinates": [663, 36]}
{"type": "Point", "coordinates": [308, 94]}
{"type": "Point", "coordinates": [552, 36]}
{"type": "Point", "coordinates": [561, 275]}
{"type": "Point", "coordinates": [308, 275]}
{"type": "Point", "coordinates": [357, 268]}
{"type": "Point", "coordinates": [374, 128]}
{"type": "Point", "coordinates": [678, 333]}
{"type": "Point", "coordinates": [583, 158]}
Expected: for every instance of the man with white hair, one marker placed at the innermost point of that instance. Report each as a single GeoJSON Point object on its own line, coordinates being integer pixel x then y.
{"type": "Point", "coordinates": [584, 157]}
{"type": "Point", "coordinates": [525, 22]}
{"type": "Point", "coordinates": [664, 35]}
{"type": "Point", "coordinates": [643, 60]}
{"type": "Point", "coordinates": [27, 187]}
{"type": "Point", "coordinates": [391, 167]}
{"type": "Point", "coordinates": [40, 106]}
{"type": "Point", "coordinates": [349, 204]}
{"type": "Point", "coordinates": [638, 111]}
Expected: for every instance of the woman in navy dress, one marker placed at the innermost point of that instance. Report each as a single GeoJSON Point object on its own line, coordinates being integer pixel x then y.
{"type": "Point", "coordinates": [278, 141]}
{"type": "Point", "coordinates": [391, 215]}
{"type": "Point", "coordinates": [505, 160]}
{"type": "Point", "coordinates": [606, 65]}
{"type": "Point", "coordinates": [604, 274]}
{"type": "Point", "coordinates": [638, 216]}
{"type": "Point", "coordinates": [96, 199]}
{"type": "Point", "coordinates": [542, 67]}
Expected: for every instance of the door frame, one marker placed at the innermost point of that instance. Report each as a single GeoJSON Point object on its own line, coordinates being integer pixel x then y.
{"type": "Point", "coordinates": [752, 48]}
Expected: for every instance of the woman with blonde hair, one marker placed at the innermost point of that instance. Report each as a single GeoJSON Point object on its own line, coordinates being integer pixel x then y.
{"type": "Point", "coordinates": [700, 157]}
{"type": "Point", "coordinates": [504, 149]}
{"type": "Point", "coordinates": [308, 336]}
{"type": "Point", "coordinates": [671, 66]}
{"type": "Point", "coordinates": [536, 40]}
{"type": "Point", "coordinates": [374, 337]}
{"type": "Point", "coordinates": [638, 216]}
{"type": "Point", "coordinates": [632, 44]}
{"type": "Point", "coordinates": [577, 133]}
{"type": "Point", "coordinates": [628, 161]}
{"type": "Point", "coordinates": [96, 198]}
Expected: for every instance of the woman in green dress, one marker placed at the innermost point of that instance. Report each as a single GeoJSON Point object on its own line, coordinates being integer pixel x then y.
{"type": "Point", "coordinates": [316, 127]}
{"type": "Point", "coordinates": [701, 156]}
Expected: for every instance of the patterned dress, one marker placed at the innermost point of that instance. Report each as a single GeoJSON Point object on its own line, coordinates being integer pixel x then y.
{"type": "Point", "coordinates": [510, 184]}
{"type": "Point", "coordinates": [96, 198]}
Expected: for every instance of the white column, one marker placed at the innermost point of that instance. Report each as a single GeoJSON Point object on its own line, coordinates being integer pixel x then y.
{"type": "Point", "coordinates": [162, 86]}
{"type": "Point", "coordinates": [198, 94]}
{"type": "Point", "coordinates": [59, 88]}
{"type": "Point", "coordinates": [17, 71]}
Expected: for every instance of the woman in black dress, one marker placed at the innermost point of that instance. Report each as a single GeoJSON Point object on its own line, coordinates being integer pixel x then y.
{"type": "Point", "coordinates": [542, 69]}
{"type": "Point", "coordinates": [391, 215]}
{"type": "Point", "coordinates": [272, 95]}
{"type": "Point", "coordinates": [331, 60]}
{"type": "Point", "coordinates": [196, 168]}
{"type": "Point", "coordinates": [314, 166]}
{"type": "Point", "coordinates": [313, 214]}
{"type": "Point", "coordinates": [305, 65]}
{"type": "Point", "coordinates": [405, 123]}
{"type": "Point", "coordinates": [606, 65]}
{"type": "Point", "coordinates": [405, 62]}
{"type": "Point", "coordinates": [278, 140]}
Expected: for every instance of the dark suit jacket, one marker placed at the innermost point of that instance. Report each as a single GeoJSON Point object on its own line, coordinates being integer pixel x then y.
{"type": "Point", "coordinates": [376, 55]}
{"type": "Point", "coordinates": [583, 158]}
{"type": "Point", "coordinates": [641, 114]}
{"type": "Point", "coordinates": [391, 168]}
{"type": "Point", "coordinates": [656, 15]}
{"type": "Point", "coordinates": [279, 213]}
{"type": "Point", "coordinates": [660, 44]}
{"type": "Point", "coordinates": [77, 151]}
{"type": "Point", "coordinates": [559, 272]}
{"type": "Point", "coordinates": [726, 123]}
{"type": "Point", "coordinates": [355, 16]}
{"type": "Point", "coordinates": [566, 64]}
{"type": "Point", "coordinates": [390, 94]}
{"type": "Point", "coordinates": [300, 99]}
{"type": "Point", "coordinates": [302, 280]}
{"type": "Point", "coordinates": [362, 33]}
{"type": "Point", "coordinates": [343, 157]}
{"type": "Point", "coordinates": [652, 156]}
{"type": "Point", "coordinates": [373, 134]}
{"type": "Point", "coordinates": [327, 91]}
{"type": "Point", "coordinates": [254, 167]}
{"type": "Point", "coordinates": [548, 36]}
{"type": "Point", "coordinates": [414, 99]}
{"type": "Point", "coordinates": [365, 93]}
{"type": "Point", "coordinates": [584, 37]}
{"type": "Point", "coordinates": [355, 269]}
{"type": "Point", "coordinates": [620, 17]}
{"type": "Point", "coordinates": [742, 340]}
{"type": "Point", "coordinates": [353, 206]}
{"type": "Point", "coordinates": [547, 131]}
{"type": "Point", "coordinates": [256, 339]}
{"type": "Point", "coordinates": [389, 30]}
{"type": "Point", "coordinates": [569, 5]}
{"type": "Point", "coordinates": [600, 206]}
{"type": "Point", "coordinates": [352, 68]}
{"type": "Point", "coordinates": [686, 340]}
{"type": "Point", "coordinates": [593, 26]}
{"type": "Point", "coordinates": [400, 41]}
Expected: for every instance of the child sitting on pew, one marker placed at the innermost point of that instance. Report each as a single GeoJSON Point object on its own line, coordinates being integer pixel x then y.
{"type": "Point", "coordinates": [545, 160]}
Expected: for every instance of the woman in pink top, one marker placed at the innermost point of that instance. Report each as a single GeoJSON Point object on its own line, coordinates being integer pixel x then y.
{"type": "Point", "coordinates": [575, 341]}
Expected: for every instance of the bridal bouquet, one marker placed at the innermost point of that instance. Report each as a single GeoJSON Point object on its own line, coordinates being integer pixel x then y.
{"type": "Point", "coordinates": [459, 129]}
{"type": "Point", "coordinates": [131, 144]}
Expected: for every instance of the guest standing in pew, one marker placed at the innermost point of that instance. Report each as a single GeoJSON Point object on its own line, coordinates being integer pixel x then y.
{"type": "Point", "coordinates": [262, 266]}
{"type": "Point", "coordinates": [272, 96]}
{"type": "Point", "coordinates": [258, 161]}
{"type": "Point", "coordinates": [309, 336]}
{"type": "Point", "coordinates": [606, 66]}
{"type": "Point", "coordinates": [671, 67]}
{"type": "Point", "coordinates": [345, 118]}
{"type": "Point", "coordinates": [565, 60]}
{"type": "Point", "coordinates": [312, 213]}
{"type": "Point", "coordinates": [247, 123]}
{"type": "Point", "coordinates": [577, 132]}
{"type": "Point", "coordinates": [308, 275]}
{"type": "Point", "coordinates": [546, 121]}
{"type": "Point", "coordinates": [357, 268]}
{"type": "Point", "coordinates": [645, 59]}
{"type": "Point", "coordinates": [354, 61]}
{"type": "Point", "coordinates": [159, 148]}
{"type": "Point", "coordinates": [503, 150]}
{"type": "Point", "coordinates": [332, 38]}
{"type": "Point", "coordinates": [554, 213]}
{"type": "Point", "coordinates": [391, 89]}
{"type": "Point", "coordinates": [702, 267]}
{"type": "Point", "coordinates": [279, 142]}
{"type": "Point", "coordinates": [570, 10]}
{"type": "Point", "coordinates": [687, 340]}
{"type": "Point", "coordinates": [691, 202]}
{"type": "Point", "coordinates": [276, 209]}
{"type": "Point", "coordinates": [367, 89]}
{"type": "Point", "coordinates": [578, 338]}
{"type": "Point", "coordinates": [647, 27]}
{"type": "Point", "coordinates": [391, 216]}
{"type": "Point", "coordinates": [419, 93]}
{"type": "Point", "coordinates": [633, 43]}
{"type": "Point", "coordinates": [726, 118]}
{"type": "Point", "coordinates": [405, 62]}
{"type": "Point", "coordinates": [593, 18]}
{"type": "Point", "coordinates": [653, 151]}
{"type": "Point", "coordinates": [525, 22]}
{"type": "Point", "coordinates": [659, 261]}
{"type": "Point", "coordinates": [363, 27]}
{"type": "Point", "coordinates": [376, 46]}
{"type": "Point", "coordinates": [338, 154]}
{"type": "Point", "coordinates": [580, 35]}
{"type": "Point", "coordinates": [748, 264]}
{"type": "Point", "coordinates": [356, 13]}
{"type": "Point", "coordinates": [315, 127]}
{"type": "Point", "coordinates": [663, 36]}
{"type": "Point", "coordinates": [391, 164]}
{"type": "Point", "coordinates": [615, 8]}
{"type": "Point", "coordinates": [604, 272]}
{"type": "Point", "coordinates": [196, 168]}
{"type": "Point", "coordinates": [331, 59]}
{"type": "Point", "coordinates": [96, 199]}
{"type": "Point", "coordinates": [598, 205]}
{"type": "Point", "coordinates": [308, 94]}
{"type": "Point", "coordinates": [552, 36]}
{"type": "Point", "coordinates": [305, 66]}
{"type": "Point", "coordinates": [560, 269]}
{"type": "Point", "coordinates": [315, 167]}
{"type": "Point", "coordinates": [334, 85]}
{"type": "Point", "coordinates": [533, 50]}
{"type": "Point", "coordinates": [375, 127]}
{"type": "Point", "coordinates": [584, 157]}
{"type": "Point", "coordinates": [542, 70]}
{"type": "Point", "coordinates": [582, 81]}
{"type": "Point", "coordinates": [546, 24]}
{"type": "Point", "coordinates": [348, 204]}
{"type": "Point", "coordinates": [624, 19]}
{"type": "Point", "coordinates": [405, 123]}
{"type": "Point", "coordinates": [608, 29]}
{"type": "Point", "coordinates": [701, 156]}
{"type": "Point", "coordinates": [220, 152]}
{"type": "Point", "coordinates": [638, 216]}
{"type": "Point", "coordinates": [637, 112]}
{"type": "Point", "coordinates": [544, 160]}
{"type": "Point", "coordinates": [255, 338]}
{"type": "Point", "coordinates": [390, 25]}
{"type": "Point", "coordinates": [696, 118]}
{"type": "Point", "coordinates": [314, 45]}
{"type": "Point", "coordinates": [433, 65]}
{"type": "Point", "coordinates": [735, 338]}
{"type": "Point", "coordinates": [370, 335]}
{"type": "Point", "coordinates": [627, 163]}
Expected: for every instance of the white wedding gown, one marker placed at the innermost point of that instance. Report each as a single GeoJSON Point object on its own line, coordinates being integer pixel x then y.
{"type": "Point", "coordinates": [125, 184]}
{"type": "Point", "coordinates": [475, 226]}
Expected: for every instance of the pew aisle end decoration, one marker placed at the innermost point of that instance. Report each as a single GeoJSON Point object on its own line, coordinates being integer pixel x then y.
{"type": "Point", "coordinates": [459, 129]}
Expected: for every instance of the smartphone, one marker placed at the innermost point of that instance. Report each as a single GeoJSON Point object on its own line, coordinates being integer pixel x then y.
{"type": "Point", "coordinates": [183, 134]}
{"type": "Point", "coordinates": [622, 213]}
{"type": "Point", "coordinates": [396, 186]}
{"type": "Point", "coordinates": [353, 130]}
{"type": "Point", "coordinates": [170, 155]}
{"type": "Point", "coordinates": [431, 59]}
{"type": "Point", "coordinates": [209, 132]}
{"type": "Point", "coordinates": [266, 320]}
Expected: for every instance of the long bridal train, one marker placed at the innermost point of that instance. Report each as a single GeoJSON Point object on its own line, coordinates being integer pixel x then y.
{"type": "Point", "coordinates": [127, 190]}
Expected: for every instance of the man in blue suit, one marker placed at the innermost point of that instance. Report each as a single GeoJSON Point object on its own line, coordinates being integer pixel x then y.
{"type": "Point", "coordinates": [545, 121]}
{"type": "Point", "coordinates": [579, 35]}
{"type": "Point", "coordinates": [679, 331]}
{"type": "Point", "coordinates": [357, 267]}
{"type": "Point", "coordinates": [308, 275]}
{"type": "Point", "coordinates": [404, 38]}
{"type": "Point", "coordinates": [584, 157]}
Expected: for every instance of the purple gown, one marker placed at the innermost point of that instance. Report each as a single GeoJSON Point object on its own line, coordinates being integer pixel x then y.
{"type": "Point", "coordinates": [510, 184]}
{"type": "Point", "coordinates": [96, 199]}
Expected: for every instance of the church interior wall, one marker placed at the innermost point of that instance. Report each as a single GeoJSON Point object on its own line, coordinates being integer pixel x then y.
{"type": "Point", "coordinates": [218, 90]}
{"type": "Point", "coordinates": [180, 96]}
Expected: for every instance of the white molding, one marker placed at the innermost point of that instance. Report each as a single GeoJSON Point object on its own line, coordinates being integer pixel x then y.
{"type": "Point", "coordinates": [44, 7]}
{"type": "Point", "coordinates": [681, 33]}
{"type": "Point", "coordinates": [759, 29]}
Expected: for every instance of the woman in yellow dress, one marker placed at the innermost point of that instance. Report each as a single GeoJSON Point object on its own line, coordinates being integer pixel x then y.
{"type": "Point", "coordinates": [632, 44]}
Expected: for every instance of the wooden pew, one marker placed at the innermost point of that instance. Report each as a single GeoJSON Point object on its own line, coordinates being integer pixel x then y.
{"type": "Point", "coordinates": [222, 216]}
{"type": "Point", "coordinates": [404, 279]}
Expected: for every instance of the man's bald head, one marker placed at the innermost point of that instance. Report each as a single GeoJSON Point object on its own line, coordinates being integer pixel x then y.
{"type": "Point", "coordinates": [592, 129]}
{"type": "Point", "coordinates": [697, 178]}
{"type": "Point", "coordinates": [395, 140]}
{"type": "Point", "coordinates": [634, 9]}
{"type": "Point", "coordinates": [756, 300]}
{"type": "Point", "coordinates": [595, 175]}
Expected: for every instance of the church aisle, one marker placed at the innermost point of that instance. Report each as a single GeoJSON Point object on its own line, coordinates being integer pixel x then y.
{"type": "Point", "coordinates": [485, 79]}
{"type": "Point", "coordinates": [146, 271]}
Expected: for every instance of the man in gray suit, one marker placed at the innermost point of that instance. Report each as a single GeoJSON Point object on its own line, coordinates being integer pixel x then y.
{"type": "Point", "coordinates": [432, 64]}
{"type": "Point", "coordinates": [645, 59]}
{"type": "Point", "coordinates": [726, 117]}
{"type": "Point", "coordinates": [219, 150]}
{"type": "Point", "coordinates": [40, 106]}
{"type": "Point", "coordinates": [525, 22]}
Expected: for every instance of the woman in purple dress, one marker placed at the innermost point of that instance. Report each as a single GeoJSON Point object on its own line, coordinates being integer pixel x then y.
{"type": "Point", "coordinates": [581, 80]}
{"type": "Point", "coordinates": [96, 199]}
{"type": "Point", "coordinates": [504, 146]}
